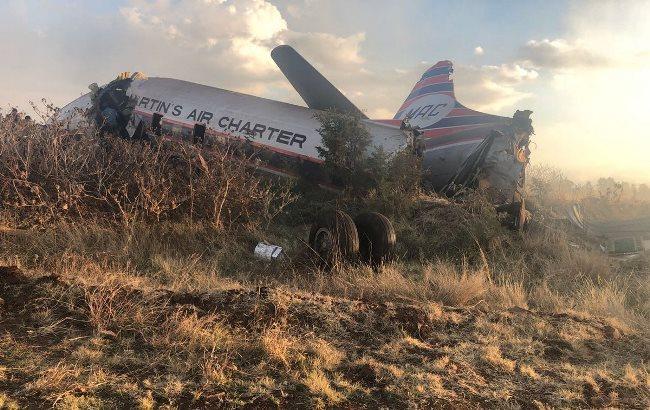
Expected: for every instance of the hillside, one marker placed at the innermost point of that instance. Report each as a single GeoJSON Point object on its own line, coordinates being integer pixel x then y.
{"type": "Point", "coordinates": [76, 344]}
{"type": "Point", "coordinates": [128, 279]}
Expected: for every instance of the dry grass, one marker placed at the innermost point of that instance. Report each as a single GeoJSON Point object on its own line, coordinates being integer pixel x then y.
{"type": "Point", "coordinates": [492, 355]}
{"type": "Point", "coordinates": [443, 282]}
{"type": "Point", "coordinates": [49, 174]}
{"type": "Point", "coordinates": [121, 341]}
{"type": "Point", "coordinates": [156, 301]}
{"type": "Point", "coordinates": [192, 256]}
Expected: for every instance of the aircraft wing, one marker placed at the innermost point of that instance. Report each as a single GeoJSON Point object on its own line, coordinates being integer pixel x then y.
{"type": "Point", "coordinates": [315, 90]}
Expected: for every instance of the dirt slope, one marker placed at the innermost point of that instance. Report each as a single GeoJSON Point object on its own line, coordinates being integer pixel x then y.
{"type": "Point", "coordinates": [113, 345]}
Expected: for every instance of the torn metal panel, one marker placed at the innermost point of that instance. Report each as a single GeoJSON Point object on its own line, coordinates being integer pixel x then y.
{"type": "Point", "coordinates": [619, 235]}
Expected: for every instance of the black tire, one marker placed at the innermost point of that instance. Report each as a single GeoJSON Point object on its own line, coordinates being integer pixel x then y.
{"type": "Point", "coordinates": [377, 237]}
{"type": "Point", "coordinates": [334, 238]}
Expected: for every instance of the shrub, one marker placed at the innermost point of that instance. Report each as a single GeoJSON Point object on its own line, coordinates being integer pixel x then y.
{"type": "Point", "coordinates": [345, 142]}
{"type": "Point", "coordinates": [375, 179]}
{"type": "Point", "coordinates": [397, 181]}
{"type": "Point", "coordinates": [441, 228]}
{"type": "Point", "coordinates": [49, 174]}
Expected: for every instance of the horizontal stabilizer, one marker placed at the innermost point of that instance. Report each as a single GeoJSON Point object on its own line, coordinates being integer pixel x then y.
{"type": "Point", "coordinates": [315, 90]}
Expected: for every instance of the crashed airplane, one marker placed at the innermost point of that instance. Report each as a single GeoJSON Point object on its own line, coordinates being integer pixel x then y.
{"type": "Point", "coordinates": [461, 148]}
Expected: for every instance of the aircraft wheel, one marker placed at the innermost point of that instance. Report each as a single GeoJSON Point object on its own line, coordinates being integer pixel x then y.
{"type": "Point", "coordinates": [376, 237]}
{"type": "Point", "coordinates": [334, 237]}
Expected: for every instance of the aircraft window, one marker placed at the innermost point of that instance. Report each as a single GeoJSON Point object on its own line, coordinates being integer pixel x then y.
{"type": "Point", "coordinates": [199, 133]}
{"type": "Point", "coordinates": [167, 128]}
{"type": "Point", "coordinates": [185, 133]}
{"type": "Point", "coordinates": [156, 124]}
{"type": "Point", "coordinates": [177, 131]}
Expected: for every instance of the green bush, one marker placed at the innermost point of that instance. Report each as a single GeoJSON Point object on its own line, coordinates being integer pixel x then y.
{"type": "Point", "coordinates": [370, 177]}
{"type": "Point", "coordinates": [345, 142]}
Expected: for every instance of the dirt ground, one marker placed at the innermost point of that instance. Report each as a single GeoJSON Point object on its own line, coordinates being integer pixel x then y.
{"type": "Point", "coordinates": [70, 344]}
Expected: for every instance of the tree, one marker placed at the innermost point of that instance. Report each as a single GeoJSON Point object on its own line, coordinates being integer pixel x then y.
{"type": "Point", "coordinates": [384, 181]}
{"type": "Point", "coordinates": [345, 144]}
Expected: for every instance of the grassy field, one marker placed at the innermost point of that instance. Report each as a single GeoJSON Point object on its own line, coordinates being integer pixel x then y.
{"type": "Point", "coordinates": [128, 280]}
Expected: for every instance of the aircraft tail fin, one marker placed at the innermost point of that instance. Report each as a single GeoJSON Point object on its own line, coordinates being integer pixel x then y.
{"type": "Point", "coordinates": [315, 90]}
{"type": "Point", "coordinates": [436, 81]}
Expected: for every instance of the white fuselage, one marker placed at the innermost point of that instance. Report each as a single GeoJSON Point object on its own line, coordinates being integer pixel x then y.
{"type": "Point", "coordinates": [280, 127]}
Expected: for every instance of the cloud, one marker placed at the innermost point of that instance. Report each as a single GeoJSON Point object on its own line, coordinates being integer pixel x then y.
{"type": "Point", "coordinates": [381, 113]}
{"type": "Point", "coordinates": [492, 88]}
{"type": "Point", "coordinates": [236, 41]}
{"type": "Point", "coordinates": [478, 50]}
{"type": "Point", "coordinates": [132, 15]}
{"type": "Point", "coordinates": [328, 50]}
{"type": "Point", "coordinates": [582, 108]}
{"type": "Point", "coordinates": [221, 43]}
{"type": "Point", "coordinates": [242, 35]}
{"type": "Point", "coordinates": [263, 20]}
{"type": "Point", "coordinates": [512, 73]}
{"type": "Point", "coordinates": [561, 53]}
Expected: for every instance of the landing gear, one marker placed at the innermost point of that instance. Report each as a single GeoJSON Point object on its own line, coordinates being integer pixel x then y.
{"type": "Point", "coordinates": [336, 237]}
{"type": "Point", "coordinates": [376, 237]}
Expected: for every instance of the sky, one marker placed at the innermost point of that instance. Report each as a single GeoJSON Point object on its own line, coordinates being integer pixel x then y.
{"type": "Point", "coordinates": [582, 67]}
